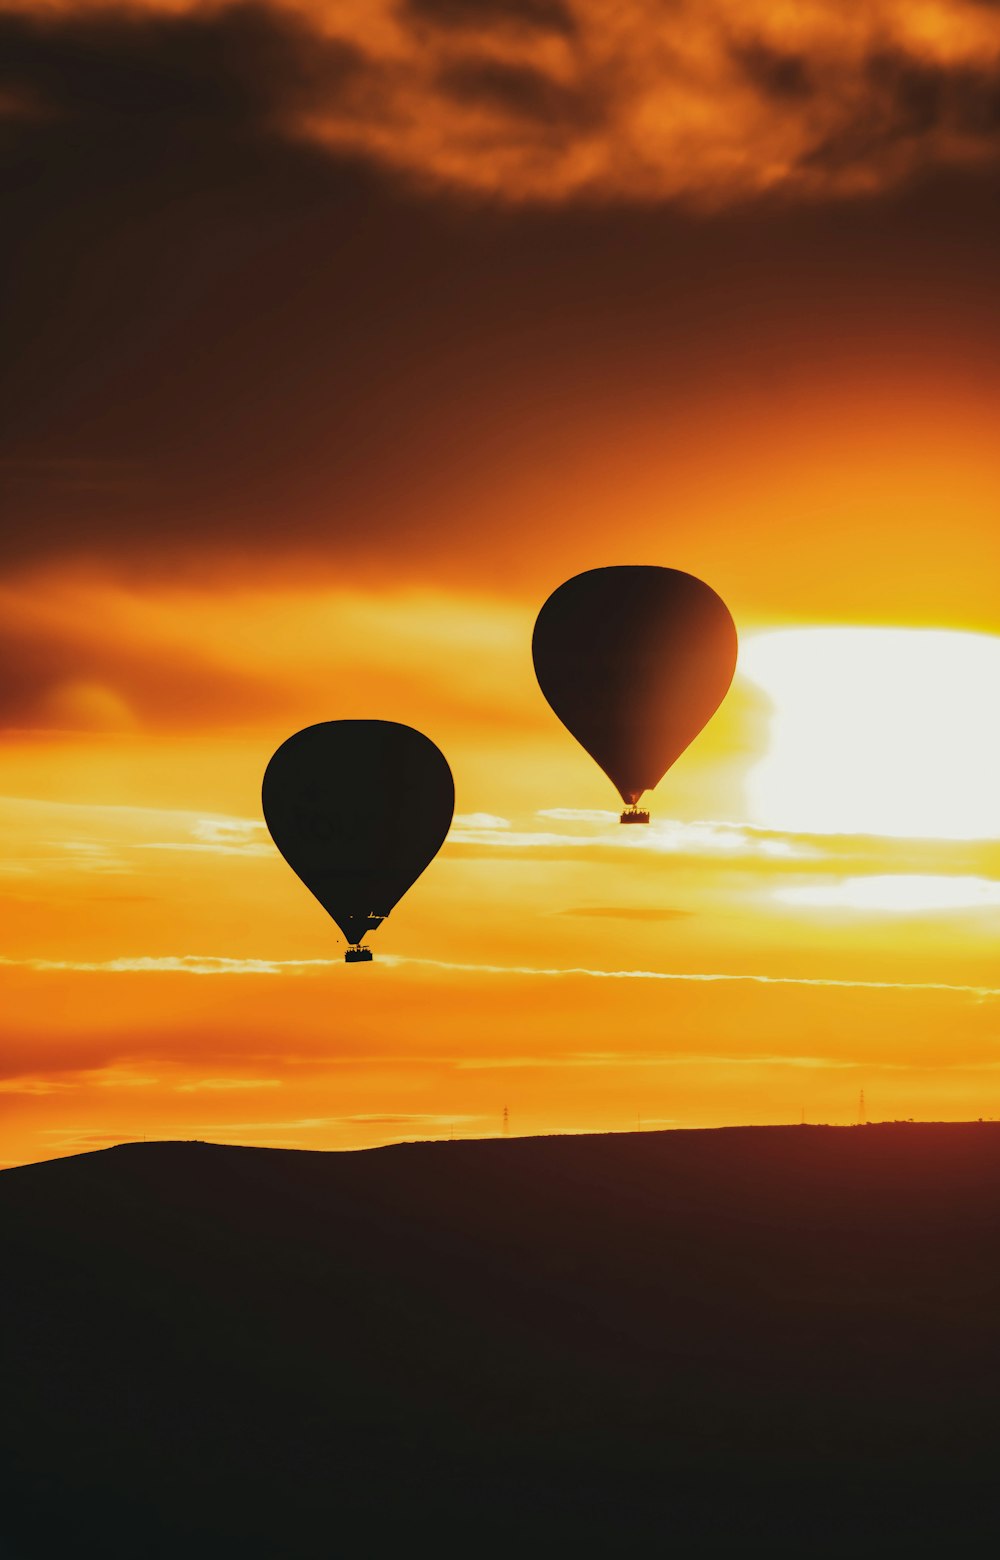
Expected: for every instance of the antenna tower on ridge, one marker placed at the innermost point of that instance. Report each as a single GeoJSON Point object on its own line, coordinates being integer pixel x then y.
{"type": "Point", "coordinates": [506, 1122]}
{"type": "Point", "coordinates": [861, 1108]}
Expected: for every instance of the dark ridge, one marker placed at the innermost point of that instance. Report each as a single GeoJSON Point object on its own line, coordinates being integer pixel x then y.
{"type": "Point", "coordinates": [753, 1340]}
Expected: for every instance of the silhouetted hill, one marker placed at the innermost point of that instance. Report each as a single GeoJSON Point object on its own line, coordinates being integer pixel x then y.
{"type": "Point", "coordinates": [761, 1340]}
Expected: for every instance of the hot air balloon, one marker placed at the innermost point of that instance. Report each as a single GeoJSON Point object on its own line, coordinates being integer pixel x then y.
{"type": "Point", "coordinates": [634, 661]}
{"type": "Point", "coordinates": [358, 808]}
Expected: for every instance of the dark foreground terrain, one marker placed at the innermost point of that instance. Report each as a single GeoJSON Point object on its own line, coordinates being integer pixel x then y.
{"type": "Point", "coordinates": [752, 1341]}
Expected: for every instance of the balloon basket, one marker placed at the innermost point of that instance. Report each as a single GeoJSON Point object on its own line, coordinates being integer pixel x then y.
{"type": "Point", "coordinates": [635, 815]}
{"type": "Point", "coordinates": [358, 956]}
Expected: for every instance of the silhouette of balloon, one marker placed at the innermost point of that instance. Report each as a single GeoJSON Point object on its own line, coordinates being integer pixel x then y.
{"type": "Point", "coordinates": [634, 661]}
{"type": "Point", "coordinates": [358, 808]}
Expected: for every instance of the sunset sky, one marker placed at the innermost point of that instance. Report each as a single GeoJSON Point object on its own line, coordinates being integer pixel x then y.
{"type": "Point", "coordinates": [334, 338]}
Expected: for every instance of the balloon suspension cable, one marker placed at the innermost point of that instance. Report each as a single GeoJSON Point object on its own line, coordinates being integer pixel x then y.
{"type": "Point", "coordinates": [635, 814]}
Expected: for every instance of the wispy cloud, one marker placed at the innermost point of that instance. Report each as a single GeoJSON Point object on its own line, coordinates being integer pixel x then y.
{"type": "Point", "coordinates": [897, 894]}
{"type": "Point", "coordinates": [725, 845]}
{"type": "Point", "coordinates": [170, 964]}
{"type": "Point", "coordinates": [600, 831]}
{"type": "Point", "coordinates": [207, 964]}
{"type": "Point", "coordinates": [218, 836]}
{"type": "Point", "coordinates": [703, 977]}
{"type": "Point", "coordinates": [115, 1076]}
{"type": "Point", "coordinates": [629, 912]}
{"type": "Point", "coordinates": [76, 857]}
{"type": "Point", "coordinates": [123, 1077]}
{"type": "Point", "coordinates": [616, 1059]}
{"type": "Point", "coordinates": [99, 838]}
{"type": "Point", "coordinates": [598, 815]}
{"type": "Point", "coordinates": [46, 839]}
{"type": "Point", "coordinates": [408, 1119]}
{"type": "Point", "coordinates": [226, 1085]}
{"type": "Point", "coordinates": [40, 1086]}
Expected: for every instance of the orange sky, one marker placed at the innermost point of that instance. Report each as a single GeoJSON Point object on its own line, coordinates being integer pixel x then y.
{"type": "Point", "coordinates": [301, 428]}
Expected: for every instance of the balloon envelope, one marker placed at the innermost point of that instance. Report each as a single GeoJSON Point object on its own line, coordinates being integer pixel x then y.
{"type": "Point", "coordinates": [358, 808]}
{"type": "Point", "coordinates": [634, 660]}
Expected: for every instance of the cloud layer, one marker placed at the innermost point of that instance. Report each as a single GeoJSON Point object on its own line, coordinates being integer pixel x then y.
{"type": "Point", "coordinates": [544, 100]}
{"type": "Point", "coordinates": [311, 285]}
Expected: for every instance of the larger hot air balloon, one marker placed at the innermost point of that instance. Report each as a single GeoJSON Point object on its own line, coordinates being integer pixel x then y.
{"type": "Point", "coordinates": [358, 808]}
{"type": "Point", "coordinates": [634, 661]}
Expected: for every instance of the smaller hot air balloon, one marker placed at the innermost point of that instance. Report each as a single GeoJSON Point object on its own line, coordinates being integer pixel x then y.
{"type": "Point", "coordinates": [358, 809]}
{"type": "Point", "coordinates": [634, 660]}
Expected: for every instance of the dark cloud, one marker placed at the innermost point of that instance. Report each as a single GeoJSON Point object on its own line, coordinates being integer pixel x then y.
{"type": "Point", "coordinates": [776, 73]}
{"type": "Point", "coordinates": [544, 15]}
{"type": "Point", "coordinates": [866, 114]}
{"type": "Point", "coordinates": [522, 92]}
{"type": "Point", "coordinates": [906, 101]}
{"type": "Point", "coordinates": [910, 94]}
{"type": "Point", "coordinates": [222, 341]}
{"type": "Point", "coordinates": [52, 680]}
{"type": "Point", "coordinates": [232, 67]}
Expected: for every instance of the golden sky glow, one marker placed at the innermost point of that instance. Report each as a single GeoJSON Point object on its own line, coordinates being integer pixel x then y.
{"type": "Point", "coordinates": [162, 968]}
{"type": "Point", "coordinates": [380, 321]}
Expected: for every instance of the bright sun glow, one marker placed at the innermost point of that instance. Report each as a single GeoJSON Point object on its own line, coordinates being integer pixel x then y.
{"type": "Point", "coordinates": [878, 731]}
